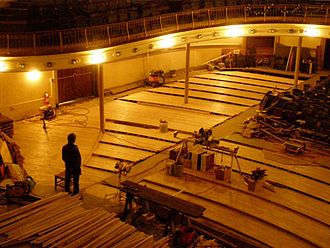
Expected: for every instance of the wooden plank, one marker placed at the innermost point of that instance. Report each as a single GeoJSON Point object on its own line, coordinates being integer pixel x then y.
{"type": "Point", "coordinates": [184, 121]}
{"type": "Point", "coordinates": [263, 76]}
{"type": "Point", "coordinates": [226, 85]}
{"type": "Point", "coordinates": [135, 142]}
{"type": "Point", "coordinates": [121, 153]}
{"type": "Point", "coordinates": [208, 96]}
{"type": "Point", "coordinates": [193, 104]}
{"type": "Point", "coordinates": [152, 133]}
{"type": "Point", "coordinates": [247, 81]}
{"type": "Point", "coordinates": [165, 200]}
{"type": "Point", "coordinates": [256, 207]}
{"type": "Point", "coordinates": [218, 90]}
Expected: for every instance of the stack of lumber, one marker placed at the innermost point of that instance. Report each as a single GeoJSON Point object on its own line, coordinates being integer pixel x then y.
{"type": "Point", "coordinates": [61, 221]}
{"type": "Point", "coordinates": [6, 125]}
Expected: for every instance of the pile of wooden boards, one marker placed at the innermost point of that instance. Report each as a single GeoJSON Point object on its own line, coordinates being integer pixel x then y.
{"type": "Point", "coordinates": [6, 125]}
{"type": "Point", "coordinates": [61, 221]}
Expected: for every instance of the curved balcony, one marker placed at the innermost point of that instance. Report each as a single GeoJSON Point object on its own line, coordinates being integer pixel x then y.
{"type": "Point", "coordinates": [96, 37]}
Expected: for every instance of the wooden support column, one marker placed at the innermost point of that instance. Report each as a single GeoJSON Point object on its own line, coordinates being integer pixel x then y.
{"type": "Point", "coordinates": [297, 65]}
{"type": "Point", "coordinates": [101, 96]}
{"type": "Point", "coordinates": [186, 90]}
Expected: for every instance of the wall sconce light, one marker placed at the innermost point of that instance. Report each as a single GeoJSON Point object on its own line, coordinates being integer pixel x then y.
{"type": "Point", "coordinates": [183, 39]}
{"type": "Point", "coordinates": [272, 30]}
{"type": "Point", "coordinates": [252, 31]}
{"type": "Point", "coordinates": [151, 46]}
{"type": "Point", "coordinates": [118, 54]}
{"type": "Point", "coordinates": [199, 36]}
{"type": "Point", "coordinates": [216, 34]}
{"type": "Point", "coordinates": [74, 61]}
{"type": "Point", "coordinates": [135, 50]}
{"type": "Point", "coordinates": [49, 64]}
{"type": "Point", "coordinates": [21, 66]}
{"type": "Point", "coordinates": [290, 30]}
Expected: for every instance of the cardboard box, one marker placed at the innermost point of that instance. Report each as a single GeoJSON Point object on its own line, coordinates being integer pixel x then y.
{"type": "Point", "coordinates": [207, 160]}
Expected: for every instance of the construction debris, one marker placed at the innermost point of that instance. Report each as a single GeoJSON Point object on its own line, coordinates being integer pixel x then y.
{"type": "Point", "coordinates": [61, 221]}
{"type": "Point", "coordinates": [289, 118]}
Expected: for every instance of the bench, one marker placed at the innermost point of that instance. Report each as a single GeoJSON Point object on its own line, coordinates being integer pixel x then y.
{"type": "Point", "coordinates": [60, 179]}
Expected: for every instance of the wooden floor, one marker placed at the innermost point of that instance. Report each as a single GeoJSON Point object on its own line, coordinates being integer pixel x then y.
{"type": "Point", "coordinates": [295, 214]}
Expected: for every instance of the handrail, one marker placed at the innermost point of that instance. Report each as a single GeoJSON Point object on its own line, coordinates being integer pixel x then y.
{"type": "Point", "coordinates": [96, 37]}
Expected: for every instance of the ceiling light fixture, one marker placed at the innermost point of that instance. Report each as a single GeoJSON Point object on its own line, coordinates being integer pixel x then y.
{"type": "Point", "coordinates": [74, 61]}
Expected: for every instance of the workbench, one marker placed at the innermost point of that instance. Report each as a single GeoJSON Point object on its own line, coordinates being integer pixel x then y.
{"type": "Point", "coordinates": [176, 206]}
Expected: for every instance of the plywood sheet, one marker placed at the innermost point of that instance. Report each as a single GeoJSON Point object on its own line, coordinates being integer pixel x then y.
{"type": "Point", "coordinates": [139, 114]}
{"type": "Point", "coordinates": [178, 101]}
{"type": "Point", "coordinates": [246, 203]}
{"type": "Point", "coordinates": [265, 77]}
{"type": "Point", "coordinates": [218, 90]}
{"type": "Point", "coordinates": [227, 85]}
{"type": "Point", "coordinates": [145, 132]}
{"type": "Point", "coordinates": [247, 81]}
{"type": "Point", "coordinates": [121, 153]}
{"type": "Point", "coordinates": [208, 96]}
{"type": "Point", "coordinates": [135, 142]}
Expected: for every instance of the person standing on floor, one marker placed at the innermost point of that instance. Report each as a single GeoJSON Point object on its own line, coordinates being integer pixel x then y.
{"type": "Point", "coordinates": [72, 159]}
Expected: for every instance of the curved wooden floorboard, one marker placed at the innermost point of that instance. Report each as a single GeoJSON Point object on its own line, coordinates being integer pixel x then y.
{"type": "Point", "coordinates": [294, 181]}
{"type": "Point", "coordinates": [185, 121]}
{"type": "Point", "coordinates": [177, 101]}
{"type": "Point", "coordinates": [287, 198]}
{"type": "Point", "coordinates": [246, 81]}
{"type": "Point", "coordinates": [259, 76]}
{"type": "Point", "coordinates": [233, 100]}
{"type": "Point", "coordinates": [217, 90]}
{"type": "Point", "coordinates": [262, 210]}
{"type": "Point", "coordinates": [318, 175]}
{"type": "Point", "coordinates": [121, 153]}
{"type": "Point", "coordinates": [151, 133]}
{"type": "Point", "coordinates": [135, 142]}
{"type": "Point", "coordinates": [234, 219]}
{"type": "Point", "coordinates": [227, 85]}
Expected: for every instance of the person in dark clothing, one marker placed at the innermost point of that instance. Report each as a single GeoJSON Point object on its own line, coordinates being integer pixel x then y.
{"type": "Point", "coordinates": [72, 159]}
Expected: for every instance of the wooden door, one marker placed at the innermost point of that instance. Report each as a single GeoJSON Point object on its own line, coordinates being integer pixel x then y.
{"type": "Point", "coordinates": [76, 83]}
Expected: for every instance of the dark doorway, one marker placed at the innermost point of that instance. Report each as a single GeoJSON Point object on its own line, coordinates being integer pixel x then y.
{"type": "Point", "coordinates": [76, 83]}
{"type": "Point", "coordinates": [326, 64]}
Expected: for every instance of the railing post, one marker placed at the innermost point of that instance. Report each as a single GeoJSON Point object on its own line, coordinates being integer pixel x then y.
{"type": "Point", "coordinates": [209, 17]}
{"type": "Point", "coordinates": [226, 15]}
{"type": "Point", "coordinates": [145, 27]}
{"type": "Point", "coordinates": [305, 15]}
{"type": "Point", "coordinates": [108, 33]}
{"type": "Point", "coordinates": [86, 38]}
{"type": "Point", "coordinates": [8, 44]}
{"type": "Point", "coordinates": [127, 30]}
{"type": "Point", "coordinates": [284, 17]}
{"type": "Point", "coordinates": [245, 17]}
{"type": "Point", "coordinates": [61, 42]}
{"type": "Point", "coordinates": [161, 24]}
{"type": "Point", "coordinates": [34, 44]}
{"type": "Point", "coordinates": [265, 13]}
{"type": "Point", "coordinates": [177, 22]}
{"type": "Point", "coordinates": [192, 18]}
{"type": "Point", "coordinates": [326, 15]}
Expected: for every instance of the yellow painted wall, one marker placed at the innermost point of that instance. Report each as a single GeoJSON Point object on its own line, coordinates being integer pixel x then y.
{"type": "Point", "coordinates": [21, 97]}
{"type": "Point", "coordinates": [308, 42]}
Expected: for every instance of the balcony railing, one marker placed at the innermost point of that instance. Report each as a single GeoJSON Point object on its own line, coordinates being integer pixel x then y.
{"type": "Point", "coordinates": [82, 39]}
